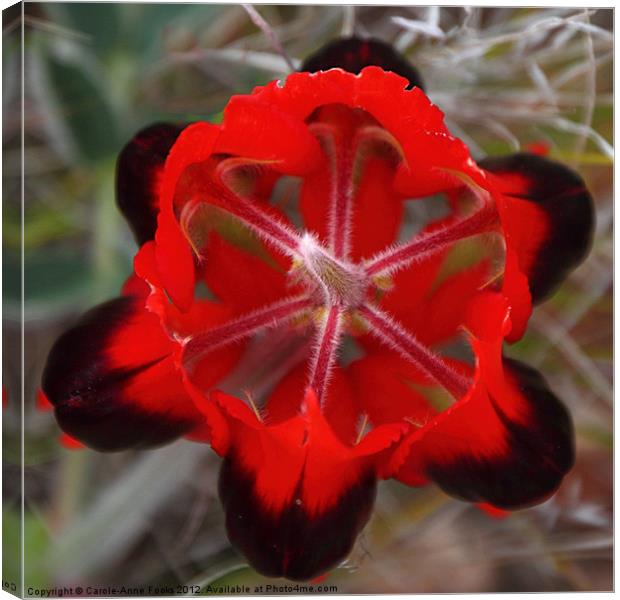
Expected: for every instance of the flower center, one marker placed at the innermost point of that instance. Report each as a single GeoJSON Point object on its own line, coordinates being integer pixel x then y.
{"type": "Point", "coordinates": [342, 283]}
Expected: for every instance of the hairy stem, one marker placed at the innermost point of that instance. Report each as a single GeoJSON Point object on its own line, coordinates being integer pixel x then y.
{"type": "Point", "coordinates": [341, 211]}
{"type": "Point", "coordinates": [396, 258]}
{"type": "Point", "coordinates": [254, 214]}
{"type": "Point", "coordinates": [267, 226]}
{"type": "Point", "coordinates": [328, 338]}
{"type": "Point", "coordinates": [245, 326]}
{"type": "Point", "coordinates": [394, 335]}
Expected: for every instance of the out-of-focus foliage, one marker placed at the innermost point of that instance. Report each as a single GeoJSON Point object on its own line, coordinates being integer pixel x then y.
{"type": "Point", "coordinates": [95, 73]}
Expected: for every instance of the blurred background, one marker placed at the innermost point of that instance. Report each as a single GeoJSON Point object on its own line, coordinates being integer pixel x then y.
{"type": "Point", "coordinates": [95, 74]}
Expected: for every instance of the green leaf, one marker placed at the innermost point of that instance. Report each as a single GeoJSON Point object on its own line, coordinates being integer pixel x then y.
{"type": "Point", "coordinates": [55, 271]}
{"type": "Point", "coordinates": [36, 542]}
{"type": "Point", "coordinates": [11, 545]}
{"type": "Point", "coordinates": [82, 103]}
{"type": "Point", "coordinates": [11, 276]}
{"type": "Point", "coordinates": [148, 21]}
{"type": "Point", "coordinates": [98, 22]}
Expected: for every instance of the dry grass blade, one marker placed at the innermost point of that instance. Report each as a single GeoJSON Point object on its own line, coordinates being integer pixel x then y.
{"type": "Point", "coordinates": [590, 94]}
{"type": "Point", "coordinates": [586, 131]}
{"type": "Point", "coordinates": [429, 30]}
{"type": "Point", "coordinates": [348, 20]}
{"type": "Point", "coordinates": [258, 20]}
{"type": "Point", "coordinates": [560, 338]}
{"type": "Point", "coordinates": [127, 503]}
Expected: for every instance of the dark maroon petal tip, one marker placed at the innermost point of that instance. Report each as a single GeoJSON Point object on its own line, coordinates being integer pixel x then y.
{"type": "Point", "coordinates": [536, 458]}
{"type": "Point", "coordinates": [292, 543]}
{"type": "Point", "coordinates": [569, 210]}
{"type": "Point", "coordinates": [137, 175]}
{"type": "Point", "coordinates": [101, 402]}
{"type": "Point", "coordinates": [353, 54]}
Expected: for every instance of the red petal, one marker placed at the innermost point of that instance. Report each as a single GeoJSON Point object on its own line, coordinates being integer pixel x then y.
{"type": "Point", "coordinates": [547, 215]}
{"type": "Point", "coordinates": [295, 496]}
{"type": "Point", "coordinates": [314, 202]}
{"type": "Point", "coordinates": [430, 151]}
{"type": "Point", "coordinates": [378, 211]}
{"type": "Point", "coordinates": [138, 172]}
{"type": "Point", "coordinates": [516, 288]}
{"type": "Point", "coordinates": [412, 182]}
{"type": "Point", "coordinates": [515, 463]}
{"type": "Point", "coordinates": [493, 511]}
{"type": "Point", "coordinates": [304, 92]}
{"type": "Point", "coordinates": [173, 252]}
{"type": "Point", "coordinates": [384, 387]}
{"type": "Point", "coordinates": [341, 408]}
{"type": "Point", "coordinates": [540, 148]}
{"type": "Point", "coordinates": [251, 130]}
{"type": "Point", "coordinates": [70, 443]}
{"type": "Point", "coordinates": [135, 286]}
{"type": "Point", "coordinates": [145, 268]}
{"type": "Point", "coordinates": [406, 296]}
{"type": "Point", "coordinates": [113, 381]}
{"type": "Point", "coordinates": [42, 402]}
{"type": "Point", "coordinates": [214, 428]}
{"type": "Point", "coordinates": [508, 442]}
{"type": "Point", "coordinates": [440, 317]}
{"type": "Point", "coordinates": [432, 314]}
{"type": "Point", "coordinates": [412, 285]}
{"type": "Point", "coordinates": [241, 280]}
{"type": "Point", "coordinates": [202, 316]}
{"type": "Point", "coordinates": [213, 367]}
{"type": "Point", "coordinates": [353, 54]}
{"type": "Point", "coordinates": [175, 262]}
{"type": "Point", "coordinates": [194, 145]}
{"type": "Point", "coordinates": [256, 130]}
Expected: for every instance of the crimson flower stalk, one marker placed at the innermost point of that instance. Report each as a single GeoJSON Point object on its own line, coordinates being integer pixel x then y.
{"type": "Point", "coordinates": [348, 146]}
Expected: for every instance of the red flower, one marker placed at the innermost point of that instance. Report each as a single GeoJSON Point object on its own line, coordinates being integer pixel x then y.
{"type": "Point", "coordinates": [302, 459]}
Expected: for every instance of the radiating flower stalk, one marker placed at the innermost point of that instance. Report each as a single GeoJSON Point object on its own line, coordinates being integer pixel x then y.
{"type": "Point", "coordinates": [301, 464]}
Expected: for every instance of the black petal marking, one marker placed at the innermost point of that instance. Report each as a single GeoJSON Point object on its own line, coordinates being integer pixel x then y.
{"type": "Point", "coordinates": [292, 544]}
{"type": "Point", "coordinates": [562, 194]}
{"type": "Point", "coordinates": [89, 395]}
{"type": "Point", "coordinates": [538, 455]}
{"type": "Point", "coordinates": [353, 54]}
{"type": "Point", "coordinates": [137, 171]}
